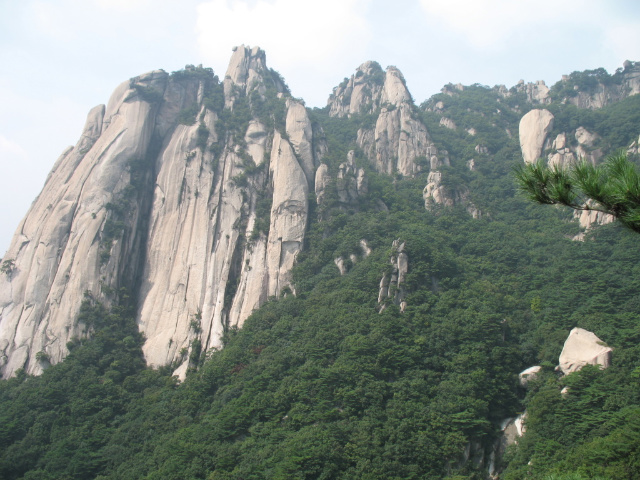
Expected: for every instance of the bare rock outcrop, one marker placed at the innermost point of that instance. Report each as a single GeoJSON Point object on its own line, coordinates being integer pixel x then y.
{"type": "Point", "coordinates": [534, 128]}
{"type": "Point", "coordinates": [528, 374]}
{"type": "Point", "coordinates": [392, 283]}
{"type": "Point", "coordinates": [210, 219]}
{"type": "Point", "coordinates": [351, 182]}
{"type": "Point", "coordinates": [583, 348]}
{"type": "Point", "coordinates": [537, 92]}
{"type": "Point", "coordinates": [564, 153]}
{"type": "Point", "coordinates": [348, 184]}
{"type": "Point", "coordinates": [601, 89]}
{"type": "Point", "coordinates": [73, 240]}
{"type": "Point", "coordinates": [590, 218]}
{"type": "Point", "coordinates": [448, 123]}
{"type": "Point", "coordinates": [359, 94]}
{"type": "Point", "coordinates": [398, 138]}
{"type": "Point", "coordinates": [437, 193]}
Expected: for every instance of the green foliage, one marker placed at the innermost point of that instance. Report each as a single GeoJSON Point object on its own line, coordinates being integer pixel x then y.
{"type": "Point", "coordinates": [187, 116]}
{"type": "Point", "coordinates": [191, 72]}
{"type": "Point", "coordinates": [588, 81]}
{"type": "Point", "coordinates": [148, 94]}
{"type": "Point", "coordinates": [202, 135]}
{"type": "Point", "coordinates": [61, 424]}
{"type": "Point", "coordinates": [615, 124]}
{"type": "Point", "coordinates": [322, 385]}
{"type": "Point", "coordinates": [612, 187]}
{"type": "Point", "coordinates": [8, 266]}
{"type": "Point", "coordinates": [263, 216]}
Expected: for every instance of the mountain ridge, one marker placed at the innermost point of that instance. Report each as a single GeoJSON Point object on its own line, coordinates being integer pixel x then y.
{"type": "Point", "coordinates": [216, 136]}
{"type": "Point", "coordinates": [403, 285]}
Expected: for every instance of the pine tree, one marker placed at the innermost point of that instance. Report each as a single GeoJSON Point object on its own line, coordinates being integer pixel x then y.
{"type": "Point", "coordinates": [612, 187]}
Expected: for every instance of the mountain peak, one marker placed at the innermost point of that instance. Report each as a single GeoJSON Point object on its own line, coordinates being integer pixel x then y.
{"type": "Point", "coordinates": [245, 64]}
{"type": "Point", "coordinates": [367, 90]}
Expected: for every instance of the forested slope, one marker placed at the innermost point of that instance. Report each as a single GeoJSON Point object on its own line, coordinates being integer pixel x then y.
{"type": "Point", "coordinates": [327, 384]}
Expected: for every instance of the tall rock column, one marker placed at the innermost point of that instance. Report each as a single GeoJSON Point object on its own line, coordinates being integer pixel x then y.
{"type": "Point", "coordinates": [288, 214]}
{"type": "Point", "coordinates": [70, 241]}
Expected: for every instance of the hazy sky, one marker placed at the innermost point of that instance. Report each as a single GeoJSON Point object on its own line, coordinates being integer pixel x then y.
{"type": "Point", "coordinates": [59, 58]}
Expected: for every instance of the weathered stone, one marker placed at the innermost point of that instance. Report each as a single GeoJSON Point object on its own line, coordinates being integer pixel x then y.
{"type": "Point", "coordinates": [584, 137]}
{"type": "Point", "coordinates": [392, 286]}
{"type": "Point", "coordinates": [397, 138]}
{"type": "Point", "coordinates": [58, 248]}
{"type": "Point", "coordinates": [529, 374]}
{"type": "Point", "coordinates": [300, 134]}
{"type": "Point", "coordinates": [536, 92]}
{"type": "Point", "coordinates": [339, 261]}
{"type": "Point", "coordinates": [192, 206]}
{"type": "Point", "coordinates": [322, 181]}
{"type": "Point", "coordinates": [448, 123]}
{"type": "Point", "coordinates": [534, 127]}
{"type": "Point", "coordinates": [589, 218]}
{"type": "Point", "coordinates": [583, 348]}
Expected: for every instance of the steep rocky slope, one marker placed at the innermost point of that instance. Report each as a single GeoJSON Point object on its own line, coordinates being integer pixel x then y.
{"type": "Point", "coordinates": [194, 195]}
{"type": "Point", "coordinates": [188, 192]}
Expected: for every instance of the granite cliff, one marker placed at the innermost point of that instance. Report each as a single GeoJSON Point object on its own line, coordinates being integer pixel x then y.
{"type": "Point", "coordinates": [193, 195]}
{"type": "Point", "coordinates": [186, 191]}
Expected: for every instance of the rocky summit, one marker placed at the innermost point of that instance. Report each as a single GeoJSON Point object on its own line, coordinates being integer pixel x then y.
{"type": "Point", "coordinates": [196, 191]}
{"type": "Point", "coordinates": [217, 281]}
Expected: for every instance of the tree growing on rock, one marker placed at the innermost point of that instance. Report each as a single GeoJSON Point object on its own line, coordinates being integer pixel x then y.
{"type": "Point", "coordinates": [612, 187]}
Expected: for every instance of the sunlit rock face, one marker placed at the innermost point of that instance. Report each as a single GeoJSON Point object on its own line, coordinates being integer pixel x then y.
{"type": "Point", "coordinates": [396, 142]}
{"type": "Point", "coordinates": [395, 138]}
{"type": "Point", "coordinates": [534, 128]}
{"type": "Point", "coordinates": [581, 348]}
{"type": "Point", "coordinates": [203, 222]}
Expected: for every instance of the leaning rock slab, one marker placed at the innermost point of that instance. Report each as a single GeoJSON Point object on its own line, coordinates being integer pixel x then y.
{"type": "Point", "coordinates": [534, 128]}
{"type": "Point", "coordinates": [583, 348]}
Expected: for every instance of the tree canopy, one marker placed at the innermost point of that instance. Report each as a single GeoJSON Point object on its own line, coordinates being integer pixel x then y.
{"type": "Point", "coordinates": [612, 187]}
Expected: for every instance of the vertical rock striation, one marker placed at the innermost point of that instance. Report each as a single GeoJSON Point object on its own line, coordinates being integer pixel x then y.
{"type": "Point", "coordinates": [182, 181]}
{"type": "Point", "coordinates": [396, 138]}
{"type": "Point", "coordinates": [73, 239]}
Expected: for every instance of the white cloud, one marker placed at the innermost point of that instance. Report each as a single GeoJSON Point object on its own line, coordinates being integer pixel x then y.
{"type": "Point", "coordinates": [51, 21]}
{"type": "Point", "coordinates": [9, 148]}
{"type": "Point", "coordinates": [491, 23]}
{"type": "Point", "coordinates": [123, 5]}
{"type": "Point", "coordinates": [294, 33]}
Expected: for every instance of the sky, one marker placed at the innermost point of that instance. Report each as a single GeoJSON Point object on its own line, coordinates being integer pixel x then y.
{"type": "Point", "coordinates": [60, 58]}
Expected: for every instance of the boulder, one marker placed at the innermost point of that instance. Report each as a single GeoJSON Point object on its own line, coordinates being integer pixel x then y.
{"type": "Point", "coordinates": [529, 374]}
{"type": "Point", "coordinates": [583, 348]}
{"type": "Point", "coordinates": [448, 123]}
{"type": "Point", "coordinates": [534, 128]}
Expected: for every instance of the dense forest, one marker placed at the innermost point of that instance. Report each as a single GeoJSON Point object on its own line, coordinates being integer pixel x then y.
{"type": "Point", "coordinates": [326, 384]}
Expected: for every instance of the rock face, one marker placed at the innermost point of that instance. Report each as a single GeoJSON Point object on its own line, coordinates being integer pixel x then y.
{"type": "Point", "coordinates": [348, 184]}
{"type": "Point", "coordinates": [397, 138]}
{"type": "Point", "coordinates": [397, 142]}
{"type": "Point", "coordinates": [391, 284]}
{"type": "Point", "coordinates": [583, 348]}
{"type": "Point", "coordinates": [359, 94]}
{"type": "Point", "coordinates": [589, 218]}
{"type": "Point", "coordinates": [529, 374]}
{"type": "Point", "coordinates": [211, 219]}
{"type": "Point", "coordinates": [599, 94]}
{"type": "Point", "coordinates": [537, 92]}
{"type": "Point", "coordinates": [72, 239]}
{"type": "Point", "coordinates": [534, 128]}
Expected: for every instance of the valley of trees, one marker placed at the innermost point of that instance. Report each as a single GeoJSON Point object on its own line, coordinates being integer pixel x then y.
{"type": "Point", "coordinates": [321, 385]}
